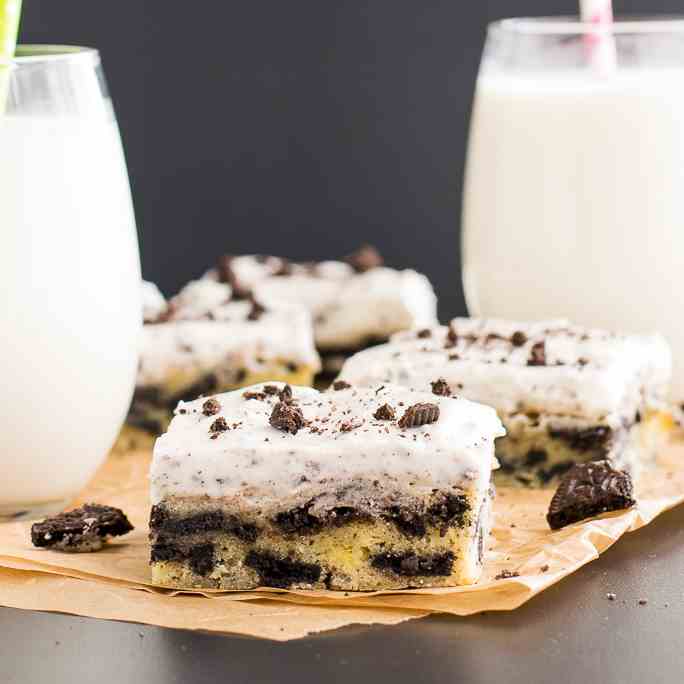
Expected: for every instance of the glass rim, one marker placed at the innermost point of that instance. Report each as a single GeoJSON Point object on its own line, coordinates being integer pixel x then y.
{"type": "Point", "coordinates": [32, 53]}
{"type": "Point", "coordinates": [572, 25]}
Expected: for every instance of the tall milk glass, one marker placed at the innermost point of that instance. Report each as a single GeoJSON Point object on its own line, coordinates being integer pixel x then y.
{"type": "Point", "coordinates": [574, 193]}
{"type": "Point", "coordinates": [69, 278]}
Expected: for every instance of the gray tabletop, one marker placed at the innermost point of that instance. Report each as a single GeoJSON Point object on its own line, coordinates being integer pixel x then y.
{"type": "Point", "coordinates": [570, 633]}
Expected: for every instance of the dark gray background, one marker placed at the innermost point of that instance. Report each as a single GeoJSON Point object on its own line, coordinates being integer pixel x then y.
{"type": "Point", "coordinates": [299, 127]}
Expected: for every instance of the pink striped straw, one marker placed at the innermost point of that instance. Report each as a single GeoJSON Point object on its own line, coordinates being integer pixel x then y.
{"type": "Point", "coordinates": [600, 43]}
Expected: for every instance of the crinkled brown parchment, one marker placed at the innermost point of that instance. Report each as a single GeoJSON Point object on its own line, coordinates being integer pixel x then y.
{"type": "Point", "coordinates": [114, 583]}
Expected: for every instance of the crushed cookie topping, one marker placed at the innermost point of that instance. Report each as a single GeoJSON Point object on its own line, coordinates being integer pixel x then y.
{"type": "Point", "coordinates": [270, 389]}
{"type": "Point", "coordinates": [451, 338]}
{"type": "Point", "coordinates": [441, 388]}
{"type": "Point", "coordinates": [424, 333]}
{"type": "Point", "coordinates": [340, 385]}
{"type": "Point", "coordinates": [285, 394]}
{"type": "Point", "coordinates": [211, 407]}
{"type": "Point", "coordinates": [226, 274]}
{"type": "Point", "coordinates": [384, 412]}
{"type": "Point", "coordinates": [287, 417]}
{"type": "Point", "coordinates": [364, 259]}
{"type": "Point", "coordinates": [349, 425]}
{"type": "Point", "coordinates": [218, 426]}
{"type": "Point", "coordinates": [260, 396]}
{"type": "Point", "coordinates": [419, 414]}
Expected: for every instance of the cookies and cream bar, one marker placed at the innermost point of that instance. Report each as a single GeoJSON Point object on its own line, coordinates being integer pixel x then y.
{"type": "Point", "coordinates": [202, 341]}
{"type": "Point", "coordinates": [565, 394]}
{"type": "Point", "coordinates": [352, 489]}
{"type": "Point", "coordinates": [353, 303]}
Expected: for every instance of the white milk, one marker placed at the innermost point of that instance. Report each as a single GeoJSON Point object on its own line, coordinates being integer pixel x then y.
{"type": "Point", "coordinates": [70, 314]}
{"type": "Point", "coordinates": [574, 201]}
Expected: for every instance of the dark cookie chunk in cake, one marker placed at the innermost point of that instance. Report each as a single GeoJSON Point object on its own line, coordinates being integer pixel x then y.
{"type": "Point", "coordinates": [200, 556]}
{"type": "Point", "coordinates": [537, 355]}
{"type": "Point", "coordinates": [364, 259]}
{"type": "Point", "coordinates": [281, 572]}
{"type": "Point", "coordinates": [424, 333]}
{"type": "Point", "coordinates": [163, 524]}
{"type": "Point", "coordinates": [384, 412]}
{"type": "Point", "coordinates": [300, 520]}
{"type": "Point", "coordinates": [599, 437]}
{"type": "Point", "coordinates": [589, 489]}
{"type": "Point", "coordinates": [211, 407]}
{"type": "Point", "coordinates": [410, 564]}
{"type": "Point", "coordinates": [441, 388]}
{"type": "Point", "coordinates": [287, 417]}
{"type": "Point", "coordinates": [83, 529]}
{"type": "Point", "coordinates": [340, 385]}
{"type": "Point", "coordinates": [270, 389]}
{"type": "Point", "coordinates": [419, 414]}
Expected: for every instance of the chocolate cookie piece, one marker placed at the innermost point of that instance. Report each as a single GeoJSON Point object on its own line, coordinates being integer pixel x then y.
{"type": "Point", "coordinates": [589, 489]}
{"type": "Point", "coordinates": [364, 259]}
{"type": "Point", "coordinates": [419, 414]}
{"type": "Point", "coordinates": [226, 274]}
{"type": "Point", "coordinates": [287, 417]}
{"type": "Point", "coordinates": [440, 387]}
{"type": "Point", "coordinates": [340, 385]}
{"type": "Point", "coordinates": [211, 407]}
{"type": "Point", "coordinates": [537, 355]}
{"type": "Point", "coordinates": [84, 529]}
{"type": "Point", "coordinates": [384, 412]}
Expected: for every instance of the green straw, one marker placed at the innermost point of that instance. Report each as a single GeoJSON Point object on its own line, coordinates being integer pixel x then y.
{"type": "Point", "coordinates": [10, 13]}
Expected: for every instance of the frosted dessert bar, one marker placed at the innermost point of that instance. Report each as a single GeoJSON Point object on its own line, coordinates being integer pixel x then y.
{"type": "Point", "coordinates": [565, 394]}
{"type": "Point", "coordinates": [202, 341]}
{"type": "Point", "coordinates": [354, 303]}
{"type": "Point", "coordinates": [350, 489]}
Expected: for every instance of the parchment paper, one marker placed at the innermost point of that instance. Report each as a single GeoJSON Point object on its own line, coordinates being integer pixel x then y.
{"type": "Point", "coordinates": [114, 583]}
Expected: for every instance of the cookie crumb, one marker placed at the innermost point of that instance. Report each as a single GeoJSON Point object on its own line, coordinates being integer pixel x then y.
{"type": "Point", "coordinates": [287, 417]}
{"type": "Point", "coordinates": [507, 574]}
{"type": "Point", "coordinates": [419, 415]}
{"type": "Point", "coordinates": [211, 407]}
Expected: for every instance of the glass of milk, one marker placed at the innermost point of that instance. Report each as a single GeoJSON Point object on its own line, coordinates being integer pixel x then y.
{"type": "Point", "coordinates": [69, 278]}
{"type": "Point", "coordinates": [574, 192]}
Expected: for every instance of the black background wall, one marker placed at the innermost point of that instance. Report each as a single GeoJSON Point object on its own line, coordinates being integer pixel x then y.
{"type": "Point", "coordinates": [298, 127]}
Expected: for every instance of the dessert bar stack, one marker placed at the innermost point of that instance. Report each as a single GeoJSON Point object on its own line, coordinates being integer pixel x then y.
{"type": "Point", "coordinates": [352, 489]}
{"type": "Point", "coordinates": [354, 303]}
{"type": "Point", "coordinates": [204, 341]}
{"type": "Point", "coordinates": [565, 394]}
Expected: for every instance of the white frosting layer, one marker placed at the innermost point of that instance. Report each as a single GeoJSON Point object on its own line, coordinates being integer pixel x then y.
{"type": "Point", "coordinates": [153, 302]}
{"type": "Point", "coordinates": [588, 373]}
{"type": "Point", "coordinates": [198, 298]}
{"type": "Point", "coordinates": [195, 347]}
{"type": "Point", "coordinates": [348, 308]}
{"type": "Point", "coordinates": [256, 462]}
